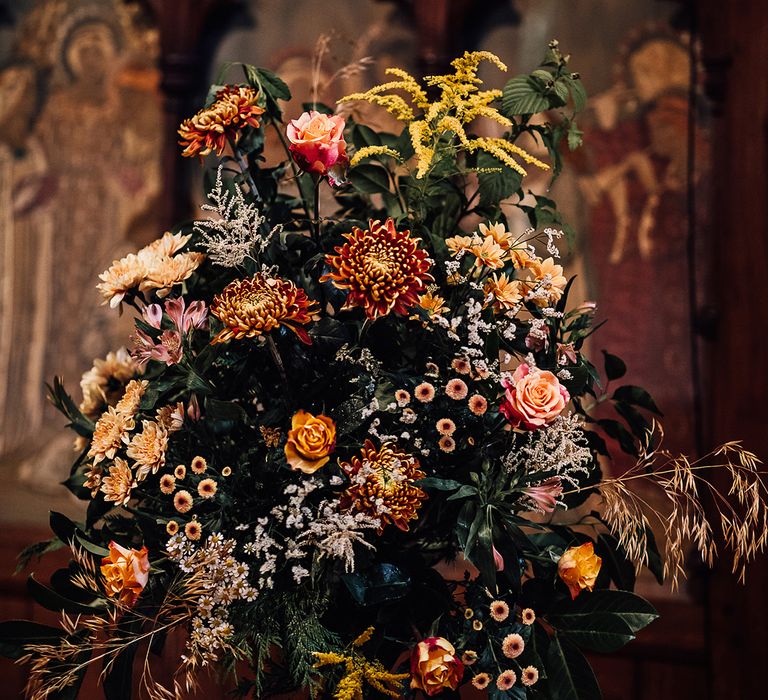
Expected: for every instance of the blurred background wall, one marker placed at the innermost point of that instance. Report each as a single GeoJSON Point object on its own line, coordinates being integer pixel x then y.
{"type": "Point", "coordinates": [669, 237]}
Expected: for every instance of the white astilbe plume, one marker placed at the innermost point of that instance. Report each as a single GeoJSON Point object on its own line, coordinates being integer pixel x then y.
{"type": "Point", "coordinates": [334, 533]}
{"type": "Point", "coordinates": [237, 233]}
{"type": "Point", "coordinates": [561, 448]}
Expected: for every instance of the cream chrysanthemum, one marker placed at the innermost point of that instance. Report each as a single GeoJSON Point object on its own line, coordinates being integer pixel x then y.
{"type": "Point", "coordinates": [110, 433]}
{"type": "Point", "coordinates": [499, 610]}
{"type": "Point", "coordinates": [512, 646]}
{"type": "Point", "coordinates": [147, 449]}
{"type": "Point", "coordinates": [103, 384]}
{"type": "Point", "coordinates": [129, 403]}
{"type": "Point", "coordinates": [117, 484]}
{"type": "Point", "coordinates": [171, 417]}
{"type": "Point", "coordinates": [155, 267]}
{"type": "Point", "coordinates": [123, 276]}
{"type": "Point", "coordinates": [168, 272]}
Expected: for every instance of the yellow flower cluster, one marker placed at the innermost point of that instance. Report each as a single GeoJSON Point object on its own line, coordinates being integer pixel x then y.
{"type": "Point", "coordinates": [360, 671]}
{"type": "Point", "coordinates": [461, 101]}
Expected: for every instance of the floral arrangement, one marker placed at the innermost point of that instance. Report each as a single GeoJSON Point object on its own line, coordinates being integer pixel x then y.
{"type": "Point", "coordinates": [321, 411]}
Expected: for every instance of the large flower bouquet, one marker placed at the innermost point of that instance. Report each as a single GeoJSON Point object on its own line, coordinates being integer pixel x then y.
{"type": "Point", "coordinates": [354, 451]}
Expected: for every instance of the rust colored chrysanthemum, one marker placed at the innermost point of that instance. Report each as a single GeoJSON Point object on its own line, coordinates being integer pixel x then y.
{"type": "Point", "coordinates": [382, 484]}
{"type": "Point", "coordinates": [209, 130]}
{"type": "Point", "coordinates": [383, 270]}
{"type": "Point", "coordinates": [255, 306]}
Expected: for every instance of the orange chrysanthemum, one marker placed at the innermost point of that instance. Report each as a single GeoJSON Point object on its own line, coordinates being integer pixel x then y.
{"type": "Point", "coordinates": [233, 108]}
{"type": "Point", "coordinates": [383, 484]}
{"type": "Point", "coordinates": [255, 306]}
{"type": "Point", "coordinates": [384, 270]}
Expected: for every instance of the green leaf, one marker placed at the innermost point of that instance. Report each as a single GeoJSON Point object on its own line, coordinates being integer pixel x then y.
{"type": "Point", "coordinates": [569, 674]}
{"type": "Point", "coordinates": [393, 206]}
{"type": "Point", "coordinates": [614, 366]}
{"type": "Point", "coordinates": [600, 632]}
{"type": "Point", "coordinates": [52, 600]}
{"type": "Point", "coordinates": [36, 551]}
{"type": "Point", "coordinates": [225, 410]}
{"type": "Point", "coordinates": [16, 634]}
{"type": "Point", "coordinates": [561, 90]}
{"type": "Point", "coordinates": [575, 136]}
{"type": "Point", "coordinates": [431, 482]}
{"type": "Point", "coordinates": [273, 84]}
{"type": "Point", "coordinates": [635, 420]}
{"type": "Point", "coordinates": [479, 547]}
{"type": "Point", "coordinates": [618, 432]}
{"type": "Point", "coordinates": [601, 619]}
{"type": "Point", "coordinates": [363, 136]}
{"type": "Point", "coordinates": [90, 546]}
{"type": "Point", "coordinates": [523, 95]}
{"type": "Point", "coordinates": [499, 184]}
{"type": "Point", "coordinates": [616, 564]}
{"type": "Point", "coordinates": [62, 526]}
{"type": "Point", "coordinates": [369, 178]}
{"type": "Point", "coordinates": [637, 396]}
{"type": "Point", "coordinates": [118, 682]}
{"type": "Point", "coordinates": [578, 92]}
{"type": "Point", "coordinates": [464, 492]}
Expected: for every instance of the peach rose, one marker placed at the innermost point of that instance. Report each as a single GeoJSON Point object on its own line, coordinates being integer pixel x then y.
{"type": "Point", "coordinates": [533, 398]}
{"type": "Point", "coordinates": [310, 440]}
{"type": "Point", "coordinates": [435, 666]}
{"type": "Point", "coordinates": [579, 567]}
{"type": "Point", "coordinates": [318, 146]}
{"type": "Point", "coordinates": [125, 572]}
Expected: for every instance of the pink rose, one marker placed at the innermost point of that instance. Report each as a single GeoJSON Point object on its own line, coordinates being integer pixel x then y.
{"type": "Point", "coordinates": [318, 146]}
{"type": "Point", "coordinates": [533, 399]}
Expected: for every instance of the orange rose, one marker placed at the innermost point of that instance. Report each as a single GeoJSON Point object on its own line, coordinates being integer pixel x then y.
{"type": "Point", "coordinates": [579, 567]}
{"type": "Point", "coordinates": [125, 572]}
{"type": "Point", "coordinates": [435, 666]}
{"type": "Point", "coordinates": [533, 399]}
{"type": "Point", "coordinates": [310, 440]}
{"type": "Point", "coordinates": [318, 146]}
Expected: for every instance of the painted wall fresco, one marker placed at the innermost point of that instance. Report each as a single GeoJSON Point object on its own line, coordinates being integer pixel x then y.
{"type": "Point", "coordinates": [78, 172]}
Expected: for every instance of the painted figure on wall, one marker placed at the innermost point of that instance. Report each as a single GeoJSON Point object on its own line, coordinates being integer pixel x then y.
{"type": "Point", "coordinates": [80, 164]}
{"type": "Point", "coordinates": [633, 175]}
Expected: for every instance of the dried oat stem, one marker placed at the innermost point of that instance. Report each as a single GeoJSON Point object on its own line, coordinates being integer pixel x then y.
{"type": "Point", "coordinates": [740, 512]}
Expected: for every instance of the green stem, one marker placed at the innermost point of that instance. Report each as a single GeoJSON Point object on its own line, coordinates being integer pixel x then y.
{"type": "Point", "coordinates": [277, 359]}
{"type": "Point", "coordinates": [316, 219]}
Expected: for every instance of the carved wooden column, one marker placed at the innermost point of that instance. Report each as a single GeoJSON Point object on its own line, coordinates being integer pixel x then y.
{"type": "Point", "coordinates": [187, 29]}
{"type": "Point", "coordinates": [734, 41]}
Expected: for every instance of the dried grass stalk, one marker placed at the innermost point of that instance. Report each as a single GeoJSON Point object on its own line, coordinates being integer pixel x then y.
{"type": "Point", "coordinates": [738, 517]}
